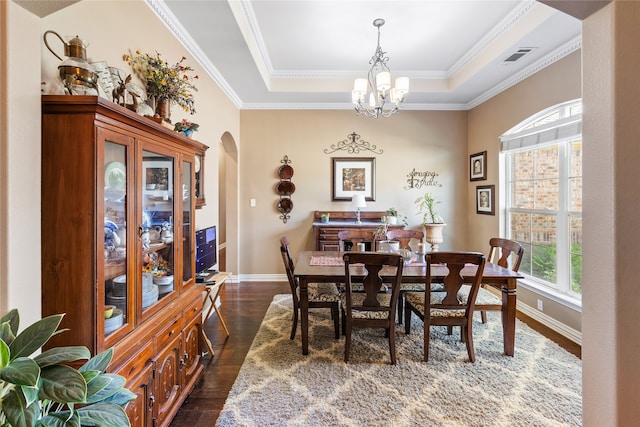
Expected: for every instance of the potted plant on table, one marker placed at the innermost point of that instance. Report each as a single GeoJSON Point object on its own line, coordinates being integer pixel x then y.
{"type": "Point", "coordinates": [431, 220]}
{"type": "Point", "coordinates": [45, 390]}
{"type": "Point", "coordinates": [393, 216]}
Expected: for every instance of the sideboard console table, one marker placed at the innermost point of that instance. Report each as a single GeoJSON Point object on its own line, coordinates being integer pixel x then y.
{"type": "Point", "coordinates": [326, 233]}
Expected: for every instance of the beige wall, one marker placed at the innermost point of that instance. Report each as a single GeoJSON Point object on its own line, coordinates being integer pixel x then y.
{"type": "Point", "coordinates": [557, 83]}
{"type": "Point", "coordinates": [433, 141]}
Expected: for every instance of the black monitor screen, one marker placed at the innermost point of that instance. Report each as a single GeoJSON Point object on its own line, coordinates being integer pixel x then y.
{"type": "Point", "coordinates": [206, 249]}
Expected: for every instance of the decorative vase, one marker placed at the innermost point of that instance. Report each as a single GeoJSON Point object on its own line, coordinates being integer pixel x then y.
{"type": "Point", "coordinates": [163, 109]}
{"type": "Point", "coordinates": [433, 235]}
{"type": "Point", "coordinates": [188, 133]}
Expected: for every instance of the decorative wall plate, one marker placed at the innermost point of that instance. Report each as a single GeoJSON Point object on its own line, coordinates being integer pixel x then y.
{"type": "Point", "coordinates": [285, 172]}
{"type": "Point", "coordinates": [285, 188]}
{"type": "Point", "coordinates": [285, 205]}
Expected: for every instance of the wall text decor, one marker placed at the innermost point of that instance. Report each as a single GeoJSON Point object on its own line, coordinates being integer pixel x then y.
{"type": "Point", "coordinates": [353, 145]}
{"type": "Point", "coordinates": [417, 179]}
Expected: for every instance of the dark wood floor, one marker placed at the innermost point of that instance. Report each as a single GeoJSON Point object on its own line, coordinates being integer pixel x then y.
{"type": "Point", "coordinates": [243, 308]}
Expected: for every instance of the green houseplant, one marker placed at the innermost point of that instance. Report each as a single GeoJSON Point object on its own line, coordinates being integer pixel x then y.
{"type": "Point", "coordinates": [393, 216]}
{"type": "Point", "coordinates": [45, 390]}
{"type": "Point", "coordinates": [431, 220]}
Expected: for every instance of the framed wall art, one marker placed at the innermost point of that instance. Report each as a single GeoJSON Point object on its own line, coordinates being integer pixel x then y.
{"type": "Point", "coordinates": [157, 177]}
{"type": "Point", "coordinates": [478, 166]}
{"type": "Point", "coordinates": [352, 176]}
{"type": "Point", "coordinates": [485, 199]}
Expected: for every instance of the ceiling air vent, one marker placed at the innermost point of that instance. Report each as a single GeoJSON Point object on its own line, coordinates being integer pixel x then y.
{"type": "Point", "coordinates": [517, 55]}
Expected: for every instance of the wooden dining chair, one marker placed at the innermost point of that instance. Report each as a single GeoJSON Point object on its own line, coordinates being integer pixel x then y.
{"type": "Point", "coordinates": [371, 308]}
{"type": "Point", "coordinates": [404, 237]}
{"type": "Point", "coordinates": [443, 308]}
{"type": "Point", "coordinates": [321, 295]}
{"type": "Point", "coordinates": [505, 253]}
{"type": "Point", "coordinates": [348, 239]}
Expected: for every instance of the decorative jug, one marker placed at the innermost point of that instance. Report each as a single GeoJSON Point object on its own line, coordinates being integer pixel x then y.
{"type": "Point", "coordinates": [75, 70]}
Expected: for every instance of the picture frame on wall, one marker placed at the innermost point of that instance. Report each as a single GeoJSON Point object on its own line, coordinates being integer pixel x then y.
{"type": "Point", "coordinates": [485, 199]}
{"type": "Point", "coordinates": [353, 175]}
{"type": "Point", "coordinates": [478, 166]}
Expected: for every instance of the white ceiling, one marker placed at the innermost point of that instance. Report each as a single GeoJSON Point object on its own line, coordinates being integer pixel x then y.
{"type": "Point", "coordinates": [305, 54]}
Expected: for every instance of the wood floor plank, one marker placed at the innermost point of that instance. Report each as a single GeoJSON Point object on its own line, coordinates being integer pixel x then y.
{"type": "Point", "coordinates": [243, 308]}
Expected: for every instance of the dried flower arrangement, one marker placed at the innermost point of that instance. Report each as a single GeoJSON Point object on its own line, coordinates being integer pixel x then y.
{"type": "Point", "coordinates": [172, 82]}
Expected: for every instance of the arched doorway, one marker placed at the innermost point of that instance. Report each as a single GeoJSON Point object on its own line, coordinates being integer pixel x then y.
{"type": "Point", "coordinates": [228, 204]}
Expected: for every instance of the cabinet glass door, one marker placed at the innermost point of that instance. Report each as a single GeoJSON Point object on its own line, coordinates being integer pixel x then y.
{"type": "Point", "coordinates": [187, 223]}
{"type": "Point", "coordinates": [157, 228]}
{"type": "Point", "coordinates": [116, 291]}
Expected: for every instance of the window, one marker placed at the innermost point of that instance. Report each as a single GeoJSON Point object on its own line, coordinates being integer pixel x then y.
{"type": "Point", "coordinates": [542, 159]}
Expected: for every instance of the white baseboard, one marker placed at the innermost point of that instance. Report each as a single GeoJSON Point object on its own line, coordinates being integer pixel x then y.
{"type": "Point", "coordinates": [550, 322]}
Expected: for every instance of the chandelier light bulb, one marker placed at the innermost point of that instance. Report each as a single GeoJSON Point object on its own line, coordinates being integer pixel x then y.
{"type": "Point", "coordinates": [378, 85]}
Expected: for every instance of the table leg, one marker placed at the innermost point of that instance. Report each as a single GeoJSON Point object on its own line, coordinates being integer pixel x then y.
{"type": "Point", "coordinates": [304, 315]}
{"type": "Point", "coordinates": [509, 316]}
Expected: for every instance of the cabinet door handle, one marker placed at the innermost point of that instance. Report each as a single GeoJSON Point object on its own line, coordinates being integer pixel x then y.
{"type": "Point", "coordinates": [182, 362]}
{"type": "Point", "coordinates": [171, 332]}
{"type": "Point", "coordinates": [152, 401]}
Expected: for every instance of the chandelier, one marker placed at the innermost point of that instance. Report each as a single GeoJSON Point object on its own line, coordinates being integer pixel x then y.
{"type": "Point", "coordinates": [378, 86]}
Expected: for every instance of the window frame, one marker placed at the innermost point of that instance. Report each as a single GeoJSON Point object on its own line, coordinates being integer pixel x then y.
{"type": "Point", "coordinates": [562, 131]}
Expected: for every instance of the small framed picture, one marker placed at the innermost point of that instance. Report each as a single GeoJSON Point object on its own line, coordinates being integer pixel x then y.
{"type": "Point", "coordinates": [354, 176]}
{"type": "Point", "coordinates": [485, 199]}
{"type": "Point", "coordinates": [478, 166]}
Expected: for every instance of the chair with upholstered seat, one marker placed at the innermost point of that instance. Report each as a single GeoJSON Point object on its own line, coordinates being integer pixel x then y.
{"type": "Point", "coordinates": [404, 237]}
{"type": "Point", "coordinates": [505, 253]}
{"type": "Point", "coordinates": [444, 308]}
{"type": "Point", "coordinates": [321, 295]}
{"type": "Point", "coordinates": [348, 239]}
{"type": "Point", "coordinates": [371, 308]}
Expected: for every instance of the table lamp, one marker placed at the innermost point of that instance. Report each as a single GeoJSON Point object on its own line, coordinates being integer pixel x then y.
{"type": "Point", "coordinates": [358, 201]}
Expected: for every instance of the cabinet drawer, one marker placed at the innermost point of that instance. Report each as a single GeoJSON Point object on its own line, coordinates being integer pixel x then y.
{"type": "Point", "coordinates": [137, 363]}
{"type": "Point", "coordinates": [192, 310]}
{"type": "Point", "coordinates": [329, 233]}
{"type": "Point", "coordinates": [168, 333]}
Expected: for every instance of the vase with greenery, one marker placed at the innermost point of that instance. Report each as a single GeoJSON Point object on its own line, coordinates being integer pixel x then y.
{"type": "Point", "coordinates": [325, 217]}
{"type": "Point", "coordinates": [431, 220]}
{"type": "Point", "coordinates": [45, 390]}
{"type": "Point", "coordinates": [164, 82]}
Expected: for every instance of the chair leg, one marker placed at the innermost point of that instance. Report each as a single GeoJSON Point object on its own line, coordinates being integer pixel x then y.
{"type": "Point", "coordinates": [347, 343]}
{"type": "Point", "coordinates": [449, 330]}
{"type": "Point", "coordinates": [295, 324]}
{"type": "Point", "coordinates": [344, 323]}
{"type": "Point", "coordinates": [469, 342]}
{"type": "Point", "coordinates": [407, 320]}
{"type": "Point", "coordinates": [400, 306]}
{"type": "Point", "coordinates": [426, 337]}
{"type": "Point", "coordinates": [483, 316]}
{"type": "Point", "coordinates": [336, 320]}
{"type": "Point", "coordinates": [392, 344]}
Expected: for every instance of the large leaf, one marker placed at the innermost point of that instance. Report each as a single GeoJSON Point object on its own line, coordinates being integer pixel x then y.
{"type": "Point", "coordinates": [99, 362]}
{"type": "Point", "coordinates": [21, 371]}
{"type": "Point", "coordinates": [63, 384]}
{"type": "Point", "coordinates": [13, 319]}
{"type": "Point", "coordinates": [30, 393]}
{"type": "Point", "coordinates": [116, 382]}
{"type": "Point", "coordinates": [97, 384]}
{"type": "Point", "coordinates": [35, 336]}
{"type": "Point", "coordinates": [121, 397]}
{"type": "Point", "coordinates": [4, 354]}
{"type": "Point", "coordinates": [104, 415]}
{"type": "Point", "coordinates": [6, 334]}
{"type": "Point", "coordinates": [90, 375]}
{"type": "Point", "coordinates": [58, 355]}
{"type": "Point", "coordinates": [61, 419]}
{"type": "Point", "coordinates": [17, 412]}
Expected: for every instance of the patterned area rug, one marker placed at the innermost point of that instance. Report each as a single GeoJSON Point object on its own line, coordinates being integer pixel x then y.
{"type": "Point", "coordinates": [278, 386]}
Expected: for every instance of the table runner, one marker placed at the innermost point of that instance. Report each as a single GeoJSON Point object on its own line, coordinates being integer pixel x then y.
{"type": "Point", "coordinates": [334, 261]}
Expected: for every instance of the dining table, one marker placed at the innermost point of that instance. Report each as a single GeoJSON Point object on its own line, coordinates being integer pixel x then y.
{"type": "Point", "coordinates": [328, 267]}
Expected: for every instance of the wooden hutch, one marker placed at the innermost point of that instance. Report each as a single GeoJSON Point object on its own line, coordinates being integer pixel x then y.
{"type": "Point", "coordinates": [326, 233]}
{"type": "Point", "coordinates": [118, 200]}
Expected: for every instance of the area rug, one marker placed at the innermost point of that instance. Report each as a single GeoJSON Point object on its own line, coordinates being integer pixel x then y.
{"type": "Point", "coordinates": [278, 386]}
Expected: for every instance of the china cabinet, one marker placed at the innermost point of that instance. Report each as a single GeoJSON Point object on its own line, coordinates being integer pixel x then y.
{"type": "Point", "coordinates": [118, 201]}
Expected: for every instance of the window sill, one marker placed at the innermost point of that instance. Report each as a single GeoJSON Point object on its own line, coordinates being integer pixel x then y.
{"type": "Point", "coordinates": [563, 299]}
